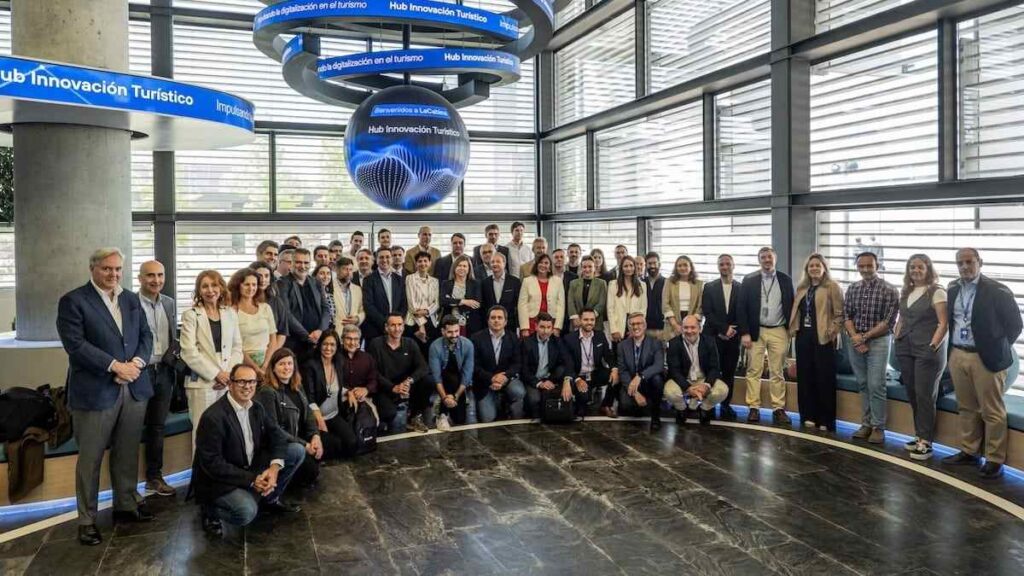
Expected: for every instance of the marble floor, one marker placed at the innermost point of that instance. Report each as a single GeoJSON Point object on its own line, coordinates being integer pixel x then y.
{"type": "Point", "coordinates": [598, 498]}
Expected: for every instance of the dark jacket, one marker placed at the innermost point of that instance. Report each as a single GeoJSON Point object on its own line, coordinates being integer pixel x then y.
{"type": "Point", "coordinates": [290, 410]}
{"type": "Point", "coordinates": [220, 464]}
{"type": "Point", "coordinates": [92, 341]}
{"type": "Point", "coordinates": [314, 380]}
{"type": "Point", "coordinates": [604, 356]}
{"type": "Point", "coordinates": [484, 364]}
{"type": "Point", "coordinates": [995, 322]}
{"type": "Point", "coordinates": [387, 375]}
{"type": "Point", "coordinates": [558, 362]}
{"type": "Point", "coordinates": [652, 359]}
{"type": "Point", "coordinates": [509, 297]}
{"type": "Point", "coordinates": [679, 361]}
{"type": "Point", "coordinates": [655, 314]}
{"type": "Point", "coordinates": [716, 319]}
{"type": "Point", "coordinates": [443, 267]}
{"type": "Point", "coordinates": [449, 302]}
{"type": "Point", "coordinates": [375, 301]}
{"type": "Point", "coordinates": [290, 291]}
{"type": "Point", "coordinates": [478, 261]}
{"type": "Point", "coordinates": [748, 311]}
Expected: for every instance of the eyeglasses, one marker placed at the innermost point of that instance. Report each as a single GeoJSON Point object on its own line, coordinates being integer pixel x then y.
{"type": "Point", "coordinates": [245, 383]}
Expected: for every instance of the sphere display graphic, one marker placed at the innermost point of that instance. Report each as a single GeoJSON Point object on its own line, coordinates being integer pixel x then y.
{"type": "Point", "coordinates": [406, 148]}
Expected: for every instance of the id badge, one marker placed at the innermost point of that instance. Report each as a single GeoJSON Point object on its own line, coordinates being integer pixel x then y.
{"type": "Point", "coordinates": [764, 312]}
{"type": "Point", "coordinates": [965, 333]}
{"type": "Point", "coordinates": [807, 321]}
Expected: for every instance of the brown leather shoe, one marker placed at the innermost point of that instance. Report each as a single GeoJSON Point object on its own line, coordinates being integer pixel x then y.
{"type": "Point", "coordinates": [608, 411]}
{"type": "Point", "coordinates": [754, 415]}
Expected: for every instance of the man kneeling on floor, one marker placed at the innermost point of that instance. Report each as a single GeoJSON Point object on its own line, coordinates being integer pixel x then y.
{"type": "Point", "coordinates": [693, 361]}
{"type": "Point", "coordinates": [243, 460]}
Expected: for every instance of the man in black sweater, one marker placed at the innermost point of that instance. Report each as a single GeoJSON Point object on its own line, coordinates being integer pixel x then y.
{"type": "Point", "coordinates": [243, 460]}
{"type": "Point", "coordinates": [402, 374]}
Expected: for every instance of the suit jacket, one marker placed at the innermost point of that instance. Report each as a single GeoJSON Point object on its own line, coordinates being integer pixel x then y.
{"type": "Point", "coordinates": [620, 307]}
{"type": "Point", "coordinates": [655, 315]}
{"type": "Point", "coordinates": [410, 259]}
{"type": "Point", "coordinates": [525, 269]}
{"type": "Point", "coordinates": [597, 299]}
{"type": "Point", "coordinates": [356, 293]}
{"type": "Point", "coordinates": [291, 293]}
{"type": "Point", "coordinates": [509, 297]}
{"type": "Point", "coordinates": [375, 300]}
{"type": "Point", "coordinates": [199, 351]}
{"type": "Point", "coordinates": [604, 356]}
{"type": "Point", "coordinates": [716, 319]}
{"type": "Point", "coordinates": [652, 359]}
{"type": "Point", "coordinates": [443, 268]}
{"type": "Point", "coordinates": [434, 309]}
{"type": "Point", "coordinates": [529, 301]}
{"type": "Point", "coordinates": [828, 307]}
{"type": "Point", "coordinates": [92, 342]}
{"type": "Point", "coordinates": [485, 366]}
{"type": "Point", "coordinates": [670, 306]}
{"type": "Point", "coordinates": [558, 362]}
{"type": "Point", "coordinates": [450, 303]}
{"type": "Point", "coordinates": [995, 322]}
{"type": "Point", "coordinates": [477, 260]}
{"type": "Point", "coordinates": [748, 310]}
{"type": "Point", "coordinates": [679, 361]}
{"type": "Point", "coordinates": [220, 464]}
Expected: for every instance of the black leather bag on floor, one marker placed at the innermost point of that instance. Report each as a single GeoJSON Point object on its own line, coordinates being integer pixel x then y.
{"type": "Point", "coordinates": [557, 411]}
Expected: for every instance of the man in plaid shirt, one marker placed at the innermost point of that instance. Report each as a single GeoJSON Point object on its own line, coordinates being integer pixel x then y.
{"type": "Point", "coordinates": [871, 306]}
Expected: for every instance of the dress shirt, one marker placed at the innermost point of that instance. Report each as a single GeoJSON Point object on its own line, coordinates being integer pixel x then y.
{"type": "Point", "coordinates": [386, 279]}
{"type": "Point", "coordinates": [727, 292]}
{"type": "Point", "coordinates": [963, 308]}
{"type": "Point", "coordinates": [499, 285]}
{"type": "Point", "coordinates": [692, 351]}
{"type": "Point", "coordinates": [771, 300]}
{"type": "Point", "coordinates": [586, 355]}
{"type": "Point", "coordinates": [156, 317]}
{"type": "Point", "coordinates": [346, 296]}
{"type": "Point", "coordinates": [112, 305]}
{"type": "Point", "coordinates": [869, 302]}
{"type": "Point", "coordinates": [542, 360]}
{"type": "Point", "coordinates": [518, 255]}
{"type": "Point", "coordinates": [242, 413]}
{"type": "Point", "coordinates": [496, 344]}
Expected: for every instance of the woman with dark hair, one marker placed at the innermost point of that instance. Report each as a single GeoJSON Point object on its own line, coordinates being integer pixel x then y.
{"type": "Point", "coordinates": [460, 295]}
{"type": "Point", "coordinates": [682, 296]}
{"type": "Point", "coordinates": [321, 378]}
{"type": "Point", "coordinates": [626, 295]}
{"type": "Point", "coordinates": [602, 268]}
{"type": "Point", "coordinates": [920, 336]}
{"type": "Point", "coordinates": [282, 396]}
{"type": "Point", "coordinates": [540, 292]}
{"type": "Point", "coordinates": [255, 320]}
{"type": "Point", "coordinates": [816, 322]}
{"type": "Point", "coordinates": [325, 276]}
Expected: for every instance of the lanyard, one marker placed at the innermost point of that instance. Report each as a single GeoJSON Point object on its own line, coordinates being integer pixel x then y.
{"type": "Point", "coordinates": [588, 358]}
{"type": "Point", "coordinates": [694, 354]}
{"type": "Point", "coordinates": [967, 305]}
{"type": "Point", "coordinates": [767, 294]}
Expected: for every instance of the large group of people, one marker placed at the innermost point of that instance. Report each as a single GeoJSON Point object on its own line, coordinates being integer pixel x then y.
{"type": "Point", "coordinates": [289, 360]}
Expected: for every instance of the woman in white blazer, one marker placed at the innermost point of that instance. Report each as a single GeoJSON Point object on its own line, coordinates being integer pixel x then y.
{"type": "Point", "coordinates": [211, 344]}
{"type": "Point", "coordinates": [626, 295]}
{"type": "Point", "coordinates": [423, 295]}
{"type": "Point", "coordinates": [541, 292]}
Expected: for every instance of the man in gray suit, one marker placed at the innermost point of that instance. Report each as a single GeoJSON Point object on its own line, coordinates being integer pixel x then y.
{"type": "Point", "coordinates": [162, 317]}
{"type": "Point", "coordinates": [641, 370]}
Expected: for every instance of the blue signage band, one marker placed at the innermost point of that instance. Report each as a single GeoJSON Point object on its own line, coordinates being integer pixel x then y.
{"type": "Point", "coordinates": [504, 67]}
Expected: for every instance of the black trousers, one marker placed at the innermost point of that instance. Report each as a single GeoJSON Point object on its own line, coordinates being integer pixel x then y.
{"type": "Point", "coordinates": [307, 472]}
{"type": "Point", "coordinates": [457, 415]}
{"type": "Point", "coordinates": [728, 359]}
{"type": "Point", "coordinates": [386, 409]}
{"type": "Point", "coordinates": [156, 416]}
{"type": "Point", "coordinates": [653, 390]}
{"type": "Point", "coordinates": [816, 379]}
{"type": "Point", "coordinates": [419, 396]}
{"type": "Point", "coordinates": [340, 439]}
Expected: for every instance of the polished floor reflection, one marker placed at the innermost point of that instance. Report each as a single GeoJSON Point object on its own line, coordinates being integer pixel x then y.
{"type": "Point", "coordinates": [599, 498]}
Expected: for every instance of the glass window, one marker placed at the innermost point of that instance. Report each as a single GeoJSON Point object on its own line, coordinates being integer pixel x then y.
{"type": "Point", "coordinates": [571, 175]}
{"type": "Point", "coordinates": [602, 234]}
{"type": "Point", "coordinates": [743, 138]}
{"type": "Point", "coordinates": [229, 180]}
{"type": "Point", "coordinates": [312, 177]}
{"type": "Point", "coordinates": [570, 10]}
{"type": "Point", "coordinates": [874, 116]}
{"type": "Point", "coordinates": [596, 72]}
{"type": "Point", "coordinates": [658, 160]}
{"type": "Point", "coordinates": [894, 234]}
{"type": "Point", "coordinates": [142, 181]}
{"type": "Point", "coordinates": [831, 14]}
{"type": "Point", "coordinates": [501, 177]}
{"type": "Point", "coordinates": [990, 80]}
{"type": "Point", "coordinates": [243, 6]}
{"type": "Point", "coordinates": [705, 238]}
{"type": "Point", "coordinates": [690, 38]}
{"type": "Point", "coordinates": [510, 108]}
{"type": "Point", "coordinates": [138, 42]}
{"type": "Point", "coordinates": [6, 258]}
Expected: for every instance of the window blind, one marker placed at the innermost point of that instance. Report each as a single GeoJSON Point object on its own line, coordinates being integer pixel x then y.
{"type": "Point", "coordinates": [743, 138]}
{"type": "Point", "coordinates": [501, 177]}
{"type": "Point", "coordinates": [601, 234]}
{"type": "Point", "coordinates": [571, 175]}
{"type": "Point", "coordinates": [705, 238]}
{"type": "Point", "coordinates": [229, 180]}
{"type": "Point", "coordinates": [596, 72]}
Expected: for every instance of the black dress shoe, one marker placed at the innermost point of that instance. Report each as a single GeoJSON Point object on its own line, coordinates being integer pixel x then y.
{"type": "Point", "coordinates": [212, 526]}
{"type": "Point", "coordinates": [680, 418]}
{"type": "Point", "coordinates": [779, 417]}
{"type": "Point", "coordinates": [140, 514]}
{"type": "Point", "coordinates": [655, 425]}
{"type": "Point", "coordinates": [991, 470]}
{"type": "Point", "coordinates": [281, 507]}
{"type": "Point", "coordinates": [961, 459]}
{"type": "Point", "coordinates": [727, 413]}
{"type": "Point", "coordinates": [89, 535]}
{"type": "Point", "coordinates": [705, 417]}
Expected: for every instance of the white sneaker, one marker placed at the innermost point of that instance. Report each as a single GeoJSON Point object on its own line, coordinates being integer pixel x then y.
{"type": "Point", "coordinates": [443, 424]}
{"type": "Point", "coordinates": [923, 451]}
{"type": "Point", "coordinates": [809, 424]}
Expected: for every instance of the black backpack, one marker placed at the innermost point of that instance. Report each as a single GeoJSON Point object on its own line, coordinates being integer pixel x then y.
{"type": "Point", "coordinates": [365, 424]}
{"type": "Point", "coordinates": [21, 408]}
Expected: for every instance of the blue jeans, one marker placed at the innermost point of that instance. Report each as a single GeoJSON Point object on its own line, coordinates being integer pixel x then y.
{"type": "Point", "coordinates": [869, 369]}
{"type": "Point", "coordinates": [487, 406]}
{"type": "Point", "coordinates": [240, 506]}
{"type": "Point", "coordinates": [399, 422]}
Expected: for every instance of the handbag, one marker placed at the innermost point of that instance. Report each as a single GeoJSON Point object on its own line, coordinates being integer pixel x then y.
{"type": "Point", "coordinates": [557, 411]}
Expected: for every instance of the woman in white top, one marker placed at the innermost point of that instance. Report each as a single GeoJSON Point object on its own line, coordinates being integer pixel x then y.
{"type": "Point", "coordinates": [211, 344]}
{"type": "Point", "coordinates": [626, 295]}
{"type": "Point", "coordinates": [541, 292]}
{"type": "Point", "coordinates": [423, 294]}
{"type": "Point", "coordinates": [256, 321]}
{"type": "Point", "coordinates": [683, 295]}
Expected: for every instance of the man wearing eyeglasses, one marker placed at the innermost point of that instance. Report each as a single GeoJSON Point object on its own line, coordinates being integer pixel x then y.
{"type": "Point", "coordinates": [243, 460]}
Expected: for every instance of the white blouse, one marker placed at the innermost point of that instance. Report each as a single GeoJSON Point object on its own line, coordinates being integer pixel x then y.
{"type": "Point", "coordinates": [256, 328]}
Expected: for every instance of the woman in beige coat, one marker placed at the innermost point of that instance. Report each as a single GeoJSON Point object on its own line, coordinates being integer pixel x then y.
{"type": "Point", "coordinates": [682, 296]}
{"type": "Point", "coordinates": [541, 292]}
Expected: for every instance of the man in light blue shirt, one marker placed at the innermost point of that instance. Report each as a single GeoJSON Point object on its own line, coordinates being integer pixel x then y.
{"type": "Point", "coordinates": [451, 366]}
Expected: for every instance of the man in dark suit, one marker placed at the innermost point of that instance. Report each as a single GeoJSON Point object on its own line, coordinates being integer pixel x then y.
{"type": "Point", "coordinates": [108, 342]}
{"type": "Point", "coordinates": [720, 301]}
{"type": "Point", "coordinates": [483, 269]}
{"type": "Point", "coordinates": [501, 288]}
{"type": "Point", "coordinates": [654, 283]}
{"type": "Point", "coordinates": [493, 233]}
{"type": "Point", "coordinates": [984, 323]}
{"type": "Point", "coordinates": [309, 313]}
{"type": "Point", "coordinates": [383, 293]}
{"type": "Point", "coordinates": [641, 370]}
{"type": "Point", "coordinates": [496, 367]}
{"type": "Point", "coordinates": [162, 317]}
{"type": "Point", "coordinates": [543, 365]}
{"type": "Point", "coordinates": [592, 362]}
{"type": "Point", "coordinates": [243, 460]}
{"type": "Point", "coordinates": [694, 378]}
{"type": "Point", "coordinates": [559, 270]}
{"type": "Point", "coordinates": [443, 266]}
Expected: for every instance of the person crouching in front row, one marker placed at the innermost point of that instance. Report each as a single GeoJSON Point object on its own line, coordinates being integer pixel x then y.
{"type": "Point", "coordinates": [694, 377]}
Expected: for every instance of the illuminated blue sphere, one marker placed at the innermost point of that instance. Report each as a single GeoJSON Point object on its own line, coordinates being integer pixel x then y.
{"type": "Point", "coordinates": [406, 148]}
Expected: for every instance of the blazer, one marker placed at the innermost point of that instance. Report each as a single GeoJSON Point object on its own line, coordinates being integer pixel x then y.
{"type": "Point", "coordinates": [92, 342]}
{"type": "Point", "coordinates": [198, 349]}
{"type": "Point", "coordinates": [314, 379]}
{"type": "Point", "coordinates": [748, 312]}
{"type": "Point", "coordinates": [443, 268]}
{"type": "Point", "coordinates": [220, 464]}
{"type": "Point", "coordinates": [485, 365]}
{"type": "Point", "coordinates": [509, 299]}
{"type": "Point", "coordinates": [529, 354]}
{"type": "Point", "coordinates": [652, 359]}
{"type": "Point", "coordinates": [433, 286]}
{"type": "Point", "coordinates": [375, 300]}
{"type": "Point", "coordinates": [670, 300]}
{"type": "Point", "coordinates": [679, 361]}
{"type": "Point", "coordinates": [529, 301]}
{"type": "Point", "coordinates": [828, 312]}
{"type": "Point", "coordinates": [477, 260]}
{"type": "Point", "coordinates": [995, 322]}
{"type": "Point", "coordinates": [597, 299]}
{"type": "Point", "coordinates": [290, 292]}
{"type": "Point", "coordinates": [356, 293]}
{"type": "Point", "coordinates": [290, 411]}
{"type": "Point", "coordinates": [450, 303]}
{"type": "Point", "coordinates": [716, 319]}
{"type": "Point", "coordinates": [525, 269]}
{"type": "Point", "coordinates": [620, 307]}
{"type": "Point", "coordinates": [655, 313]}
{"type": "Point", "coordinates": [410, 259]}
{"type": "Point", "coordinates": [604, 356]}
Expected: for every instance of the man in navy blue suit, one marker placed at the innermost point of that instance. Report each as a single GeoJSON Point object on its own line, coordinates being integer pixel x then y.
{"type": "Point", "coordinates": [107, 338]}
